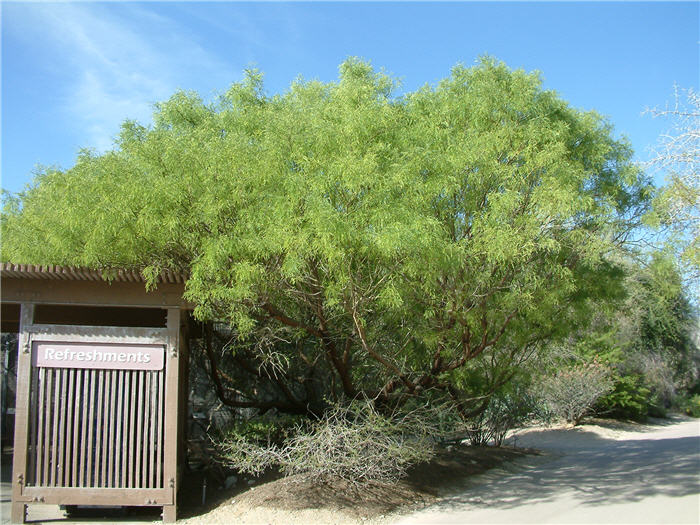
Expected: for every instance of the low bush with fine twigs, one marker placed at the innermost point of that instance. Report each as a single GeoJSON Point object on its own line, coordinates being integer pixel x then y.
{"type": "Point", "coordinates": [571, 393]}
{"type": "Point", "coordinates": [355, 443]}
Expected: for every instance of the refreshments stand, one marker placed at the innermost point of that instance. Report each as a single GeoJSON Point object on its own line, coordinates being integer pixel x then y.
{"type": "Point", "coordinates": [100, 387]}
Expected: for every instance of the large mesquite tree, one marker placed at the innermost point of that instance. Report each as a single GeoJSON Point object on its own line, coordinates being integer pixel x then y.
{"type": "Point", "coordinates": [358, 242]}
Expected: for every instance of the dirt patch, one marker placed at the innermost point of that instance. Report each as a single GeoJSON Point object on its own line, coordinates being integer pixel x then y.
{"type": "Point", "coordinates": [294, 500]}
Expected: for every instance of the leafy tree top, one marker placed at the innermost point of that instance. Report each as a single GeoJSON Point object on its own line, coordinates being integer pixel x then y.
{"type": "Point", "coordinates": [414, 232]}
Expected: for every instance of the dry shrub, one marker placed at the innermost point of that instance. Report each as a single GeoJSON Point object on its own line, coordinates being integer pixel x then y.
{"type": "Point", "coordinates": [355, 443]}
{"type": "Point", "coordinates": [572, 392]}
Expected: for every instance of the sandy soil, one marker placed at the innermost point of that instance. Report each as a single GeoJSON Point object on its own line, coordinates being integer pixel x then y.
{"type": "Point", "coordinates": [293, 501]}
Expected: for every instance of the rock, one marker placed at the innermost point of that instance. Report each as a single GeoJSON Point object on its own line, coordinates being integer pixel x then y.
{"type": "Point", "coordinates": [230, 481]}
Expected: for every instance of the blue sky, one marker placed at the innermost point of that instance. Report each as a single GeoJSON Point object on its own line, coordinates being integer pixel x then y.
{"type": "Point", "coordinates": [71, 72]}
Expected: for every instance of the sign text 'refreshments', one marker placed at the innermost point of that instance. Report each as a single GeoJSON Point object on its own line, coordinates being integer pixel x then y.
{"type": "Point", "coordinates": [98, 355]}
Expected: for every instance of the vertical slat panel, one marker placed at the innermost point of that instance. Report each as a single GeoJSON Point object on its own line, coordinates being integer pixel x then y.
{"type": "Point", "coordinates": [60, 444]}
{"type": "Point", "coordinates": [98, 428]}
{"type": "Point", "coordinates": [83, 427]}
{"type": "Point", "coordinates": [41, 411]}
{"type": "Point", "coordinates": [33, 426]}
{"type": "Point", "coordinates": [56, 407]}
{"type": "Point", "coordinates": [161, 407]}
{"type": "Point", "coordinates": [125, 437]}
{"type": "Point", "coordinates": [154, 438]}
{"type": "Point", "coordinates": [120, 468]}
{"type": "Point", "coordinates": [146, 414]}
{"type": "Point", "coordinates": [91, 428]}
{"type": "Point", "coordinates": [99, 407]}
{"type": "Point", "coordinates": [70, 416]}
{"type": "Point", "coordinates": [40, 428]}
{"type": "Point", "coordinates": [112, 423]}
{"type": "Point", "coordinates": [139, 429]}
{"type": "Point", "coordinates": [132, 430]}
{"type": "Point", "coordinates": [104, 436]}
{"type": "Point", "coordinates": [77, 424]}
{"type": "Point", "coordinates": [47, 428]}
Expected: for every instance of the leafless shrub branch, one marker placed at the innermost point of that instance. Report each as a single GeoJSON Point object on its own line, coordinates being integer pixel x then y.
{"type": "Point", "coordinates": [356, 443]}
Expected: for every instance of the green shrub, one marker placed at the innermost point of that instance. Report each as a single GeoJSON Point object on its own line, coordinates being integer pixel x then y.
{"type": "Point", "coordinates": [691, 406]}
{"type": "Point", "coordinates": [506, 411]}
{"type": "Point", "coordinates": [264, 429]}
{"type": "Point", "coordinates": [657, 406]}
{"type": "Point", "coordinates": [629, 399]}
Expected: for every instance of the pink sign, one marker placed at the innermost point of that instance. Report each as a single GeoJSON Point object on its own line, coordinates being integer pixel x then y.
{"type": "Point", "coordinates": [98, 355]}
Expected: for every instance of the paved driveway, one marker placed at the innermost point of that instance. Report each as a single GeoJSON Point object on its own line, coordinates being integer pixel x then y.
{"type": "Point", "coordinates": [587, 475]}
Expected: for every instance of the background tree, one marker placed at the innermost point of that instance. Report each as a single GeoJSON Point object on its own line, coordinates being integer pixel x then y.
{"type": "Point", "coordinates": [356, 243]}
{"type": "Point", "coordinates": [646, 338]}
{"type": "Point", "coordinates": [678, 156]}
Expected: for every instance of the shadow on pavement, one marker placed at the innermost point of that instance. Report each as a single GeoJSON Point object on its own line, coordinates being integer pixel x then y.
{"type": "Point", "coordinates": [594, 471]}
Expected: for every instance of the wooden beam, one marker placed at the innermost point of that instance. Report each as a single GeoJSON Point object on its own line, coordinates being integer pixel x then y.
{"type": "Point", "coordinates": [98, 334]}
{"type": "Point", "coordinates": [172, 359]}
{"type": "Point", "coordinates": [97, 496]}
{"type": "Point", "coordinates": [19, 460]}
{"type": "Point", "coordinates": [91, 293]}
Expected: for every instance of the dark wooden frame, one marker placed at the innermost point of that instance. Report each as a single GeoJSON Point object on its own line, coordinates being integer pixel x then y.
{"type": "Point", "coordinates": [28, 292]}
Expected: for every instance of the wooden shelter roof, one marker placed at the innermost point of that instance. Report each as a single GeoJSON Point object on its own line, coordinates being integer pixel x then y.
{"type": "Point", "coordinates": [77, 273]}
{"type": "Point", "coordinates": [73, 285]}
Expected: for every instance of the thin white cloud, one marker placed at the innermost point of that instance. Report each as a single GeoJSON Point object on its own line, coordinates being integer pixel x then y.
{"type": "Point", "coordinates": [118, 60]}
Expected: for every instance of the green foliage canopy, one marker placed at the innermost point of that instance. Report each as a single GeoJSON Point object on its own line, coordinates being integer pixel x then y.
{"type": "Point", "coordinates": [388, 240]}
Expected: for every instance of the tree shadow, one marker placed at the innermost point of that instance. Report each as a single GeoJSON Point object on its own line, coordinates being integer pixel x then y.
{"type": "Point", "coordinates": [593, 470]}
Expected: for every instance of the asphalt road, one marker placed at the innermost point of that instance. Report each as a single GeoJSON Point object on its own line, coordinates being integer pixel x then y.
{"type": "Point", "coordinates": [587, 475]}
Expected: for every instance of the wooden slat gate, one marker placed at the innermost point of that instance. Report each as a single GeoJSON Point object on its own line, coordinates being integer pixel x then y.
{"type": "Point", "coordinates": [96, 436]}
